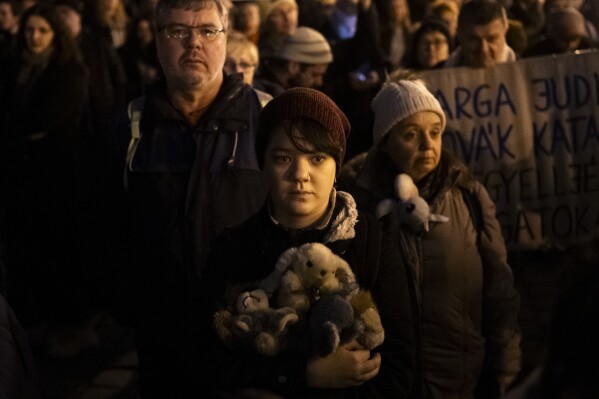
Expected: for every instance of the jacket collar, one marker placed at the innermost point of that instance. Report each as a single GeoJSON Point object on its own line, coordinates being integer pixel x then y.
{"type": "Point", "coordinates": [223, 107]}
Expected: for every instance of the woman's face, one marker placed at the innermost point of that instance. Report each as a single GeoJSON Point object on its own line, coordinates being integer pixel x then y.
{"type": "Point", "coordinates": [432, 48]}
{"type": "Point", "coordinates": [284, 19]}
{"type": "Point", "coordinates": [241, 62]}
{"type": "Point", "coordinates": [250, 17]}
{"type": "Point", "coordinates": [414, 144]}
{"type": "Point", "coordinates": [38, 34]}
{"type": "Point", "coordinates": [300, 183]}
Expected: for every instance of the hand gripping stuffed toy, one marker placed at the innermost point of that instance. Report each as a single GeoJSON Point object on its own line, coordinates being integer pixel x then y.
{"type": "Point", "coordinates": [312, 278]}
{"type": "Point", "coordinates": [254, 322]}
{"type": "Point", "coordinates": [410, 207]}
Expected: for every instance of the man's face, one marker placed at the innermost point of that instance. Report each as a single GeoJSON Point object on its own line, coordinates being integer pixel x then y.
{"type": "Point", "coordinates": [483, 45]}
{"type": "Point", "coordinates": [310, 76]}
{"type": "Point", "coordinates": [7, 18]}
{"type": "Point", "coordinates": [194, 61]}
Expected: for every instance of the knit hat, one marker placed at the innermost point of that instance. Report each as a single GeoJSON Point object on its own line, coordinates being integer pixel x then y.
{"type": "Point", "coordinates": [306, 46]}
{"type": "Point", "coordinates": [302, 102]}
{"type": "Point", "coordinates": [399, 100]}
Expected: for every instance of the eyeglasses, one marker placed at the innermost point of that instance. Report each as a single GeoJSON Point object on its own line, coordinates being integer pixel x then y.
{"type": "Point", "coordinates": [182, 32]}
{"type": "Point", "coordinates": [232, 65]}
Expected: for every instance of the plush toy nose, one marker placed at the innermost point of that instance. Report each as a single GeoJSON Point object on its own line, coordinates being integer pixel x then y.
{"type": "Point", "coordinates": [323, 273]}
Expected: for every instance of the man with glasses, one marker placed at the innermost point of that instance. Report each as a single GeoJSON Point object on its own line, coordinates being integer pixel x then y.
{"type": "Point", "coordinates": [191, 170]}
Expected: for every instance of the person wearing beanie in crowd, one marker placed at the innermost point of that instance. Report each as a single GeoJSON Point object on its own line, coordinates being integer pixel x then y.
{"type": "Point", "coordinates": [464, 294]}
{"type": "Point", "coordinates": [482, 30]}
{"type": "Point", "coordinates": [301, 61]}
{"type": "Point", "coordinates": [300, 147]}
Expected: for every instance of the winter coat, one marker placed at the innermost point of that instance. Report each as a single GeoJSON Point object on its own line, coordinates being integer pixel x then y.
{"type": "Point", "coordinates": [249, 252]}
{"type": "Point", "coordinates": [184, 185]}
{"type": "Point", "coordinates": [463, 286]}
{"type": "Point", "coordinates": [107, 83]}
{"type": "Point", "coordinates": [45, 193]}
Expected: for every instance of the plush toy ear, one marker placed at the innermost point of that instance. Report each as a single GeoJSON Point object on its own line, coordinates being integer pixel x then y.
{"type": "Point", "coordinates": [344, 268]}
{"type": "Point", "coordinates": [286, 259]}
{"type": "Point", "coordinates": [385, 207]}
{"type": "Point", "coordinates": [405, 187]}
{"type": "Point", "coordinates": [273, 280]}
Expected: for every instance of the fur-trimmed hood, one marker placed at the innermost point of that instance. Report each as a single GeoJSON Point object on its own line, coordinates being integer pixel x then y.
{"type": "Point", "coordinates": [342, 225]}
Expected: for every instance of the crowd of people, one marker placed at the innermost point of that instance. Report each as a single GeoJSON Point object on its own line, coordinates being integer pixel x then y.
{"type": "Point", "coordinates": [158, 157]}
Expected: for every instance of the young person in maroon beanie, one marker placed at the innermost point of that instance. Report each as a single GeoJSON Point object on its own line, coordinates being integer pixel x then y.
{"type": "Point", "coordinates": [300, 146]}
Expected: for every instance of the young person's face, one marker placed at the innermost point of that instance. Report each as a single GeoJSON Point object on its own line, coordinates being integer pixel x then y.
{"type": "Point", "coordinates": [38, 34]}
{"type": "Point", "coordinates": [195, 61]}
{"type": "Point", "coordinates": [300, 182]}
{"type": "Point", "coordinates": [414, 144]}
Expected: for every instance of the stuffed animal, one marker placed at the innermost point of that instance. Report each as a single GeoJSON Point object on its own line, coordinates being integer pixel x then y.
{"type": "Point", "coordinates": [364, 307]}
{"type": "Point", "coordinates": [333, 323]}
{"type": "Point", "coordinates": [312, 278]}
{"type": "Point", "coordinates": [302, 274]}
{"type": "Point", "coordinates": [410, 207]}
{"type": "Point", "coordinates": [254, 322]}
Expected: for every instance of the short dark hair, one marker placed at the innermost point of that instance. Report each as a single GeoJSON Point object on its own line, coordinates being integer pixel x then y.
{"type": "Point", "coordinates": [303, 132]}
{"type": "Point", "coordinates": [480, 12]}
{"type": "Point", "coordinates": [307, 114]}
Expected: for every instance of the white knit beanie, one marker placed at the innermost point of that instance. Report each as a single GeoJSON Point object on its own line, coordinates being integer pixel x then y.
{"type": "Point", "coordinates": [399, 100]}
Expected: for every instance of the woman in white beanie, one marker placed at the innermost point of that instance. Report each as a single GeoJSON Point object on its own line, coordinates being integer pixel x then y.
{"type": "Point", "coordinates": [463, 290]}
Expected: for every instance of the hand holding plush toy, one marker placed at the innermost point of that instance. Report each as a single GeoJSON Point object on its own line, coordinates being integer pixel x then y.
{"type": "Point", "coordinates": [410, 207]}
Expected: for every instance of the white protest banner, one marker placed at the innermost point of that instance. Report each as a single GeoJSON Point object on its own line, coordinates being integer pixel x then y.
{"type": "Point", "coordinates": [529, 132]}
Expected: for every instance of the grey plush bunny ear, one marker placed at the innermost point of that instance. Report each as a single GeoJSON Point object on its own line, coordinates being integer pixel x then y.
{"type": "Point", "coordinates": [273, 280]}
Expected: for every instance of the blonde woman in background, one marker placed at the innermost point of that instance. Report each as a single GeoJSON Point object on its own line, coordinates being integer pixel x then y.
{"type": "Point", "coordinates": [242, 56]}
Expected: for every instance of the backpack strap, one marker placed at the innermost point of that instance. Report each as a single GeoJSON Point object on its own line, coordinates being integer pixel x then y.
{"type": "Point", "coordinates": [475, 210]}
{"type": "Point", "coordinates": [134, 110]}
{"type": "Point", "coordinates": [262, 96]}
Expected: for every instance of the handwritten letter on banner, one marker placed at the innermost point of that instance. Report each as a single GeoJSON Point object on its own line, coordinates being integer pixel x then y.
{"type": "Point", "coordinates": [529, 131]}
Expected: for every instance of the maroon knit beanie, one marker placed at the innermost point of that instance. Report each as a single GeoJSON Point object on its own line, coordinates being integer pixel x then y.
{"type": "Point", "coordinates": [298, 103]}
